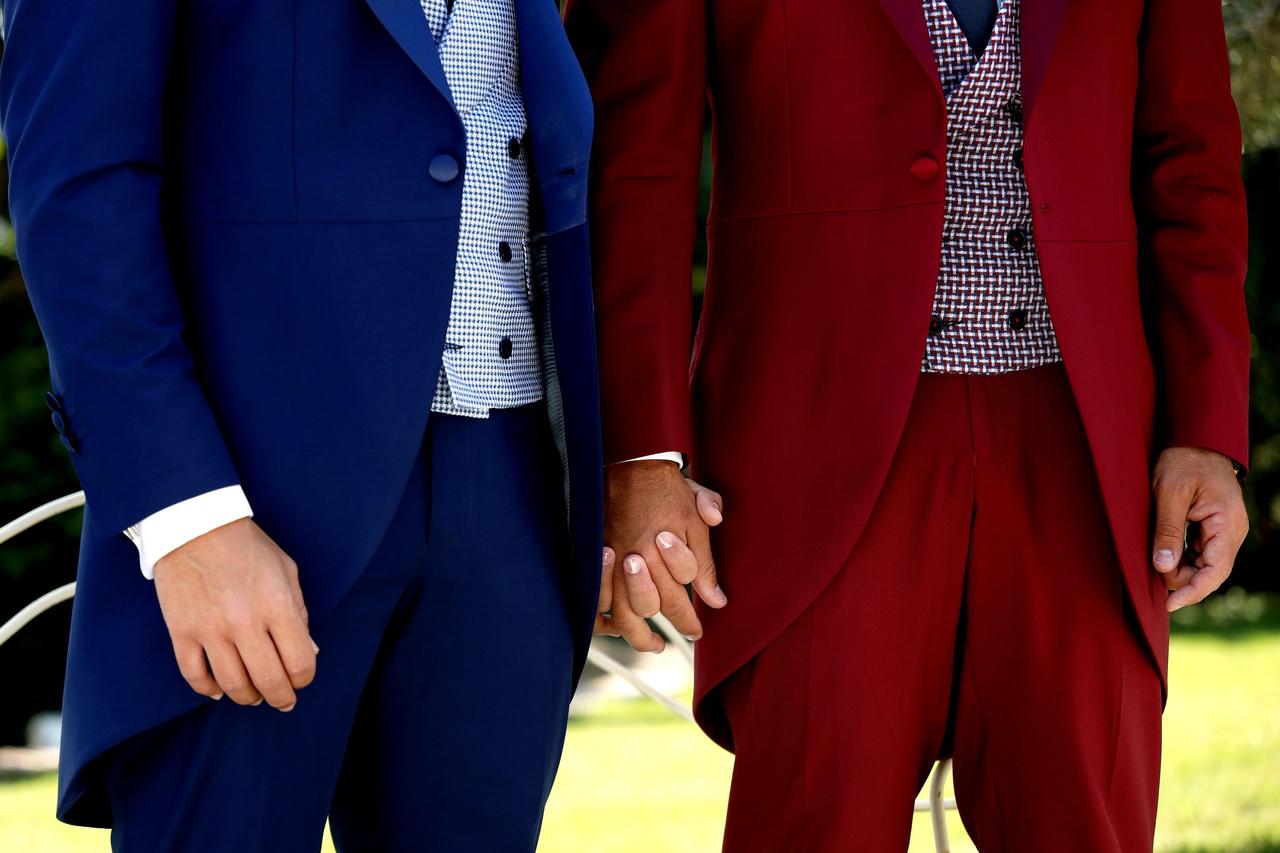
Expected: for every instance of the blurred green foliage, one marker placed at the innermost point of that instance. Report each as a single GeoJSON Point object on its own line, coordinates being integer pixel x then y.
{"type": "Point", "coordinates": [34, 468]}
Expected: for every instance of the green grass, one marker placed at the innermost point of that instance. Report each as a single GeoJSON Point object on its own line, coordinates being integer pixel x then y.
{"type": "Point", "coordinates": [634, 778]}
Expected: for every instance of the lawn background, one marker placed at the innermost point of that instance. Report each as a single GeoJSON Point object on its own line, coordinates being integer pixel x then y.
{"type": "Point", "coordinates": [636, 779]}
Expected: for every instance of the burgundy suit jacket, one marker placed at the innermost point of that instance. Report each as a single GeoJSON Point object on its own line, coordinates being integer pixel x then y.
{"type": "Point", "coordinates": [824, 239]}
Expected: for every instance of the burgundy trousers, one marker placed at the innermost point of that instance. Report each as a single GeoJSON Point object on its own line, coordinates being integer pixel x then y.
{"type": "Point", "coordinates": [982, 615]}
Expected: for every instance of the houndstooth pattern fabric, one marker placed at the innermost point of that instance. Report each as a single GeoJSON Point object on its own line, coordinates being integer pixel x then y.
{"type": "Point", "coordinates": [989, 311]}
{"type": "Point", "coordinates": [491, 358]}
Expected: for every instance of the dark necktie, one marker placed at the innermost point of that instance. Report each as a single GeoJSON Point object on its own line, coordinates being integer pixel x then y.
{"type": "Point", "coordinates": [976, 18]}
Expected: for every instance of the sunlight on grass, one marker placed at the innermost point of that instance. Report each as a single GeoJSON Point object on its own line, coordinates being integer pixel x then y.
{"type": "Point", "coordinates": [636, 779]}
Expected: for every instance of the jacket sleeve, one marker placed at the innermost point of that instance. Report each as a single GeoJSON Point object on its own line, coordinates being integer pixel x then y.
{"type": "Point", "coordinates": [1192, 214]}
{"type": "Point", "coordinates": [82, 102]}
{"type": "Point", "coordinates": [646, 62]}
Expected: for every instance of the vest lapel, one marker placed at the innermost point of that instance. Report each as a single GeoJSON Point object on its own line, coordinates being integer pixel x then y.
{"type": "Point", "coordinates": [1041, 25]}
{"type": "Point", "coordinates": [476, 49]}
{"type": "Point", "coordinates": [408, 25]}
{"type": "Point", "coordinates": [908, 17]}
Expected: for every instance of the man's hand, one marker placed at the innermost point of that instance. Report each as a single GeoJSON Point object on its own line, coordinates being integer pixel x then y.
{"type": "Point", "coordinates": [1197, 486]}
{"type": "Point", "coordinates": [232, 603]}
{"type": "Point", "coordinates": [659, 521]}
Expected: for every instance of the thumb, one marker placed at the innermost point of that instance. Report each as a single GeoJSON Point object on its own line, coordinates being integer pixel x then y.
{"type": "Point", "coordinates": [299, 603]}
{"type": "Point", "coordinates": [705, 582]}
{"type": "Point", "coordinates": [1172, 505]}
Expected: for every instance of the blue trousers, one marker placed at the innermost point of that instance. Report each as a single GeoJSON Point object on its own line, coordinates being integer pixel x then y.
{"type": "Point", "coordinates": [437, 715]}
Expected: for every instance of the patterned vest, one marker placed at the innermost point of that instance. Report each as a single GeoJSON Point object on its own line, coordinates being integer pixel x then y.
{"type": "Point", "coordinates": [989, 309]}
{"type": "Point", "coordinates": [491, 358]}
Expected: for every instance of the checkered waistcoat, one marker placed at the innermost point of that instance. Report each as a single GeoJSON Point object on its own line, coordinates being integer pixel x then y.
{"type": "Point", "coordinates": [491, 358]}
{"type": "Point", "coordinates": [989, 310]}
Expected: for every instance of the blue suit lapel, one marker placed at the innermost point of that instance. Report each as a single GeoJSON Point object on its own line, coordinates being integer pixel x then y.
{"type": "Point", "coordinates": [558, 104]}
{"type": "Point", "coordinates": [407, 23]}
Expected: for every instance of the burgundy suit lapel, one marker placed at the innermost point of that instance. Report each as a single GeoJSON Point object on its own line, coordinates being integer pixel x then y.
{"type": "Point", "coordinates": [908, 17]}
{"type": "Point", "coordinates": [1041, 25]}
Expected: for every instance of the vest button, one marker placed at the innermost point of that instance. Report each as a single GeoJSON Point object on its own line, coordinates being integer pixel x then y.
{"type": "Point", "coordinates": [1017, 239]}
{"type": "Point", "coordinates": [444, 168]}
{"type": "Point", "coordinates": [935, 326]}
{"type": "Point", "coordinates": [1017, 158]}
{"type": "Point", "coordinates": [513, 148]}
{"type": "Point", "coordinates": [504, 348]}
{"type": "Point", "coordinates": [1018, 319]}
{"type": "Point", "coordinates": [504, 252]}
{"type": "Point", "coordinates": [924, 169]}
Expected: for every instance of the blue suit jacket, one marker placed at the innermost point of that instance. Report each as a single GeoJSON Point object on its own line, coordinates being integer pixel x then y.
{"type": "Point", "coordinates": [242, 264]}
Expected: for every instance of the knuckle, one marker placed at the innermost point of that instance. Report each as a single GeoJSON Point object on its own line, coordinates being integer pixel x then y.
{"type": "Point", "coordinates": [268, 682]}
{"type": "Point", "coordinates": [1169, 530]}
{"type": "Point", "coordinates": [303, 670]}
{"type": "Point", "coordinates": [238, 690]}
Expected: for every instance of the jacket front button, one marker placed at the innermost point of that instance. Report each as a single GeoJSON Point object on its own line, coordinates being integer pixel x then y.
{"type": "Point", "coordinates": [444, 168]}
{"type": "Point", "coordinates": [504, 252]}
{"type": "Point", "coordinates": [504, 349]}
{"type": "Point", "coordinates": [924, 169]}
{"type": "Point", "coordinates": [59, 423]}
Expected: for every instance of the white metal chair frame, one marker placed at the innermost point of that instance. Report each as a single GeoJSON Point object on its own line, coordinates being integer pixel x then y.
{"type": "Point", "coordinates": [935, 804]}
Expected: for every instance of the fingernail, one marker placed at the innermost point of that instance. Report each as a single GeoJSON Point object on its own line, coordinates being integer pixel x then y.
{"type": "Point", "coordinates": [720, 597]}
{"type": "Point", "coordinates": [217, 697]}
{"type": "Point", "coordinates": [607, 558]}
{"type": "Point", "coordinates": [288, 708]}
{"type": "Point", "coordinates": [314, 648]}
{"type": "Point", "coordinates": [1164, 557]}
{"type": "Point", "coordinates": [719, 514]}
{"type": "Point", "coordinates": [666, 540]}
{"type": "Point", "coordinates": [256, 704]}
{"type": "Point", "coordinates": [633, 565]}
{"type": "Point", "coordinates": [691, 638]}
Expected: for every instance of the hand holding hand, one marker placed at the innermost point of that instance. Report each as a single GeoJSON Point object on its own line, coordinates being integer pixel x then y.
{"type": "Point", "coordinates": [1198, 486]}
{"type": "Point", "coordinates": [232, 602]}
{"type": "Point", "coordinates": [659, 521]}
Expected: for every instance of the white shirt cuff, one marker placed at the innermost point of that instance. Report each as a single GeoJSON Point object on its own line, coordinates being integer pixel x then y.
{"type": "Point", "coordinates": [669, 456]}
{"type": "Point", "coordinates": [172, 527]}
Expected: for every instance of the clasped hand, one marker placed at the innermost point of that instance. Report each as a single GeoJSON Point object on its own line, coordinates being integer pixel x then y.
{"type": "Point", "coordinates": [657, 524]}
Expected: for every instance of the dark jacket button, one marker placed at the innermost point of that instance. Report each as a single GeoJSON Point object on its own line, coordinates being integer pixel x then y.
{"type": "Point", "coordinates": [935, 326]}
{"type": "Point", "coordinates": [513, 148]}
{"type": "Point", "coordinates": [444, 168]}
{"type": "Point", "coordinates": [53, 401]}
{"type": "Point", "coordinates": [924, 169]}
{"type": "Point", "coordinates": [59, 423]}
{"type": "Point", "coordinates": [504, 251]}
{"type": "Point", "coordinates": [504, 348]}
{"type": "Point", "coordinates": [1018, 319]}
{"type": "Point", "coordinates": [1017, 239]}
